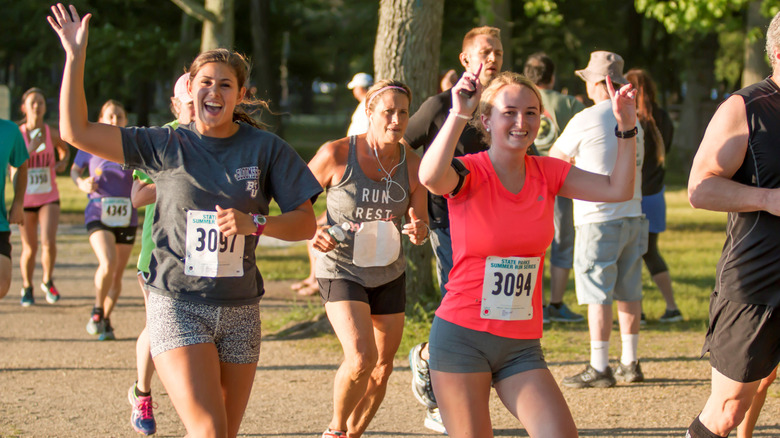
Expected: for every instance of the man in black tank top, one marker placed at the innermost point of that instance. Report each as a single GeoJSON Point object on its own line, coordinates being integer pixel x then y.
{"type": "Point", "coordinates": [737, 170]}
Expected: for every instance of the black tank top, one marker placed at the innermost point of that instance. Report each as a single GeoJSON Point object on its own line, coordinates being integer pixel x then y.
{"type": "Point", "coordinates": [749, 267]}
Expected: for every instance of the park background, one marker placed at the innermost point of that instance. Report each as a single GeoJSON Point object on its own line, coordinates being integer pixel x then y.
{"type": "Point", "coordinates": [305, 51]}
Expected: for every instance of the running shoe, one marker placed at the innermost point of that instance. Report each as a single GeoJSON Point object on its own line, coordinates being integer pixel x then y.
{"type": "Point", "coordinates": [142, 416]}
{"type": "Point", "coordinates": [671, 316]}
{"type": "Point", "coordinates": [333, 433]}
{"type": "Point", "coordinates": [108, 331]}
{"type": "Point", "coordinates": [545, 314]}
{"type": "Point", "coordinates": [563, 314]}
{"type": "Point", "coordinates": [433, 421]}
{"type": "Point", "coordinates": [27, 297]}
{"type": "Point", "coordinates": [590, 378]}
{"type": "Point", "coordinates": [642, 320]}
{"type": "Point", "coordinates": [421, 378]}
{"type": "Point", "coordinates": [630, 373]}
{"type": "Point", "coordinates": [96, 324]}
{"type": "Point", "coordinates": [52, 294]}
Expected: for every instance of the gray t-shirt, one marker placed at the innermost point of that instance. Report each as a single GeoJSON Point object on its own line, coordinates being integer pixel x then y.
{"type": "Point", "coordinates": [195, 172]}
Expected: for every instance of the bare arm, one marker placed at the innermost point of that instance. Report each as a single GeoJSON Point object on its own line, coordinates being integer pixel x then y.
{"type": "Point", "coordinates": [63, 151]}
{"type": "Point", "coordinates": [16, 214]}
{"type": "Point", "coordinates": [143, 193]}
{"type": "Point", "coordinates": [99, 139]}
{"type": "Point", "coordinates": [720, 155]}
{"type": "Point", "coordinates": [619, 186]}
{"type": "Point", "coordinates": [416, 226]}
{"type": "Point", "coordinates": [297, 224]}
{"type": "Point", "coordinates": [436, 172]}
{"type": "Point", "coordinates": [86, 185]}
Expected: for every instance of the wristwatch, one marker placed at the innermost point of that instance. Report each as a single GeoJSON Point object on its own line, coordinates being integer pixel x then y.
{"type": "Point", "coordinates": [626, 134]}
{"type": "Point", "coordinates": [259, 221]}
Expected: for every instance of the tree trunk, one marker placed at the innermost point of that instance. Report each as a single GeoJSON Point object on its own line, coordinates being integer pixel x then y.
{"type": "Point", "coordinates": [263, 76]}
{"type": "Point", "coordinates": [219, 33]}
{"type": "Point", "coordinates": [498, 13]}
{"type": "Point", "coordinates": [407, 47]}
{"type": "Point", "coordinates": [755, 68]}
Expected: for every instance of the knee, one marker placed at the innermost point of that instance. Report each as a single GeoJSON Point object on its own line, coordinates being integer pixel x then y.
{"type": "Point", "coordinates": [381, 373]}
{"type": "Point", "coordinates": [734, 412]}
{"type": "Point", "coordinates": [361, 364]}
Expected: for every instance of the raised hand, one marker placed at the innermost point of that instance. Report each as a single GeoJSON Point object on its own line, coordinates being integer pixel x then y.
{"type": "Point", "coordinates": [72, 30]}
{"type": "Point", "coordinates": [466, 93]}
{"type": "Point", "coordinates": [623, 105]}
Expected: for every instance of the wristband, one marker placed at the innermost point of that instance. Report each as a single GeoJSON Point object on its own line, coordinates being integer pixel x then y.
{"type": "Point", "coordinates": [259, 221]}
{"type": "Point", "coordinates": [626, 134]}
{"type": "Point", "coordinates": [459, 115]}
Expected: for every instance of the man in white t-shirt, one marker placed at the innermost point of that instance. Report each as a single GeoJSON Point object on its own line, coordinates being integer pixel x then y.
{"type": "Point", "coordinates": [359, 86]}
{"type": "Point", "coordinates": [610, 236]}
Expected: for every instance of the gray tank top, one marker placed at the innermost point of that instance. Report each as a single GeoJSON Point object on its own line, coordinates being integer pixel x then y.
{"type": "Point", "coordinates": [357, 200]}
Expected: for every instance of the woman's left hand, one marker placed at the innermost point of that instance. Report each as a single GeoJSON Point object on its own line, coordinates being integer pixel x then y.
{"type": "Point", "coordinates": [416, 229]}
{"type": "Point", "coordinates": [623, 105]}
{"type": "Point", "coordinates": [231, 221]}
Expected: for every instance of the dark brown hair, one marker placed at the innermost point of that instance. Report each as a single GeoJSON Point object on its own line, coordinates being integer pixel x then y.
{"type": "Point", "coordinates": [33, 90]}
{"type": "Point", "coordinates": [645, 101]}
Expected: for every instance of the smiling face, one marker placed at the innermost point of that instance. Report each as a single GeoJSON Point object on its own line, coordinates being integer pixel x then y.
{"type": "Point", "coordinates": [486, 50]}
{"type": "Point", "coordinates": [34, 106]}
{"type": "Point", "coordinates": [514, 118]}
{"type": "Point", "coordinates": [113, 115]}
{"type": "Point", "coordinates": [389, 116]}
{"type": "Point", "coordinates": [217, 92]}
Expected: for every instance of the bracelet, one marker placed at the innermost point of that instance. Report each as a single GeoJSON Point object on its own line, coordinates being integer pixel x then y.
{"type": "Point", "coordinates": [459, 115]}
{"type": "Point", "coordinates": [424, 241]}
{"type": "Point", "coordinates": [626, 134]}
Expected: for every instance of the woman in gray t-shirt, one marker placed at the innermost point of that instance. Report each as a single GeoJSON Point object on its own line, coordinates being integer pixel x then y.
{"type": "Point", "coordinates": [371, 182]}
{"type": "Point", "coordinates": [214, 180]}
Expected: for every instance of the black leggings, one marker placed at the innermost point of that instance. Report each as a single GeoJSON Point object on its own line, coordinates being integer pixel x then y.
{"type": "Point", "coordinates": [653, 260]}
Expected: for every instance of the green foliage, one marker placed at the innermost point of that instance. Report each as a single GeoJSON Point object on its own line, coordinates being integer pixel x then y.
{"type": "Point", "coordinates": [694, 15]}
{"type": "Point", "coordinates": [545, 11]}
{"type": "Point", "coordinates": [728, 64]}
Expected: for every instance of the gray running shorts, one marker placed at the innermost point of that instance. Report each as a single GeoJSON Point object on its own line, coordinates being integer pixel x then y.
{"type": "Point", "coordinates": [456, 349]}
{"type": "Point", "coordinates": [234, 330]}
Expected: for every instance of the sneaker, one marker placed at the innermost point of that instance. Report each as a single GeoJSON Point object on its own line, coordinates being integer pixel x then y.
{"type": "Point", "coordinates": [421, 378]}
{"type": "Point", "coordinates": [545, 314]}
{"type": "Point", "coordinates": [564, 314]}
{"type": "Point", "coordinates": [630, 373]}
{"type": "Point", "coordinates": [96, 324]}
{"type": "Point", "coordinates": [108, 331]}
{"type": "Point", "coordinates": [433, 421]}
{"type": "Point", "coordinates": [27, 297]}
{"type": "Point", "coordinates": [333, 433]}
{"type": "Point", "coordinates": [590, 378]}
{"type": "Point", "coordinates": [642, 320]}
{"type": "Point", "coordinates": [142, 416]}
{"type": "Point", "coordinates": [671, 316]}
{"type": "Point", "coordinates": [52, 294]}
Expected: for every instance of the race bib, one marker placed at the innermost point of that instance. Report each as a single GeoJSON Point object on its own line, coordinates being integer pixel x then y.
{"type": "Point", "coordinates": [508, 288]}
{"type": "Point", "coordinates": [116, 212]}
{"type": "Point", "coordinates": [38, 180]}
{"type": "Point", "coordinates": [209, 253]}
{"type": "Point", "coordinates": [377, 243]}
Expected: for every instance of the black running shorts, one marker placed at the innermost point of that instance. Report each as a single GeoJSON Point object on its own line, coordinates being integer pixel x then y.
{"type": "Point", "coordinates": [743, 339]}
{"type": "Point", "coordinates": [386, 299]}
{"type": "Point", "coordinates": [5, 243]}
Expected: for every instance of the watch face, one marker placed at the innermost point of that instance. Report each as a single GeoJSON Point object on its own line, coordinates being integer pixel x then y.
{"type": "Point", "coordinates": [259, 219]}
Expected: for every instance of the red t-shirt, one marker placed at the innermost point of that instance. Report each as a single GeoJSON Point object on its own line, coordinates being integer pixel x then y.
{"type": "Point", "coordinates": [488, 220]}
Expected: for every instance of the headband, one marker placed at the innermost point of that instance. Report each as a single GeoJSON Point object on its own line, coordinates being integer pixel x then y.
{"type": "Point", "coordinates": [379, 91]}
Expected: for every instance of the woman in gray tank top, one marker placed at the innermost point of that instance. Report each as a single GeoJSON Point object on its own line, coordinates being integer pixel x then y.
{"type": "Point", "coordinates": [371, 182]}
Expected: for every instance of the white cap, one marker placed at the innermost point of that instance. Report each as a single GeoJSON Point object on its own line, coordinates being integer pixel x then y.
{"type": "Point", "coordinates": [361, 80]}
{"type": "Point", "coordinates": [180, 89]}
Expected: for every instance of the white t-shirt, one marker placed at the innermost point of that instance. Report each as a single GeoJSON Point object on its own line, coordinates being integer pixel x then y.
{"type": "Point", "coordinates": [359, 123]}
{"type": "Point", "coordinates": [590, 139]}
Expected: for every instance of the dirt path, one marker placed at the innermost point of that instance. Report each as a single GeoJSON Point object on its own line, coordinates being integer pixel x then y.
{"type": "Point", "coordinates": [58, 381]}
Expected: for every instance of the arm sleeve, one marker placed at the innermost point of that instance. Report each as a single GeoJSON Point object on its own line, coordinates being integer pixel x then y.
{"type": "Point", "coordinates": [421, 130]}
{"type": "Point", "coordinates": [19, 152]}
{"type": "Point", "coordinates": [82, 159]}
{"type": "Point", "coordinates": [144, 148]}
{"type": "Point", "coordinates": [291, 181]}
{"type": "Point", "coordinates": [555, 171]}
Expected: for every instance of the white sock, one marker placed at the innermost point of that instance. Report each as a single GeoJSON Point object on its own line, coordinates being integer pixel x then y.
{"type": "Point", "coordinates": [630, 343]}
{"type": "Point", "coordinates": [599, 355]}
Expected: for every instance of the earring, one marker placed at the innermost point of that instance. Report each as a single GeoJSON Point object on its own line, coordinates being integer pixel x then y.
{"type": "Point", "coordinates": [487, 129]}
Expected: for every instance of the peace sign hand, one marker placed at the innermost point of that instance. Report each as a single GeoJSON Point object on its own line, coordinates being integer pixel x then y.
{"type": "Point", "coordinates": [623, 105]}
{"type": "Point", "coordinates": [72, 30]}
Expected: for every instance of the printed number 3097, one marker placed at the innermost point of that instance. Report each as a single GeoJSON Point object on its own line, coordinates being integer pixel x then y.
{"type": "Point", "coordinates": [212, 238]}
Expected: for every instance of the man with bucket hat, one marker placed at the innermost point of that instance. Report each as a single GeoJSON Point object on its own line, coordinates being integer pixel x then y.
{"type": "Point", "coordinates": [611, 237]}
